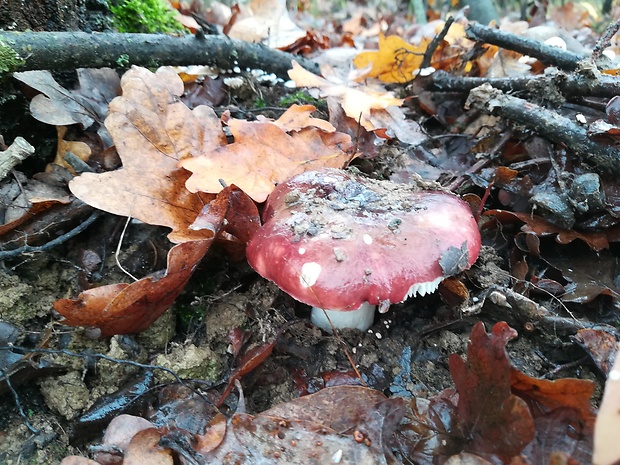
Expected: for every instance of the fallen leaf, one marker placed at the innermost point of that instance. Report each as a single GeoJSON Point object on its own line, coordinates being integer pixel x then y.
{"type": "Point", "coordinates": [130, 308]}
{"type": "Point", "coordinates": [248, 362]}
{"type": "Point", "coordinates": [395, 61]}
{"type": "Point", "coordinates": [86, 105]}
{"type": "Point", "coordinates": [600, 345]}
{"type": "Point", "coordinates": [372, 109]}
{"type": "Point", "coordinates": [153, 130]}
{"type": "Point", "coordinates": [263, 155]}
{"type": "Point", "coordinates": [265, 21]}
{"type": "Point", "coordinates": [541, 227]}
{"type": "Point", "coordinates": [297, 117]}
{"type": "Point", "coordinates": [78, 148]}
{"type": "Point", "coordinates": [144, 449]}
{"type": "Point", "coordinates": [497, 422]}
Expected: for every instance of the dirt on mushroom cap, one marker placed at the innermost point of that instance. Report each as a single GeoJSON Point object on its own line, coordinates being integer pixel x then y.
{"type": "Point", "coordinates": [335, 240]}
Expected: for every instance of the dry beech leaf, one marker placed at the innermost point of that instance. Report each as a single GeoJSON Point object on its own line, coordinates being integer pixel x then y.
{"type": "Point", "coordinates": [395, 61]}
{"type": "Point", "coordinates": [264, 155]}
{"type": "Point", "coordinates": [130, 308]}
{"type": "Point", "coordinates": [153, 130]}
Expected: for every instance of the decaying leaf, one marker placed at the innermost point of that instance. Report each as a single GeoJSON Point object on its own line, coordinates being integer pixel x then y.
{"type": "Point", "coordinates": [153, 130]}
{"type": "Point", "coordinates": [534, 223]}
{"type": "Point", "coordinates": [144, 449]}
{"type": "Point", "coordinates": [497, 422]}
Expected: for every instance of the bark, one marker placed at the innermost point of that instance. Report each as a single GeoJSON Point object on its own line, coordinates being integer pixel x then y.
{"type": "Point", "coordinates": [569, 85]}
{"type": "Point", "coordinates": [70, 50]}
{"type": "Point", "coordinates": [545, 53]}
{"type": "Point", "coordinates": [548, 124]}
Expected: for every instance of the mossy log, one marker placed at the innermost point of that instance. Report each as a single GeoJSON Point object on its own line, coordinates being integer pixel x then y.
{"type": "Point", "coordinates": [70, 50]}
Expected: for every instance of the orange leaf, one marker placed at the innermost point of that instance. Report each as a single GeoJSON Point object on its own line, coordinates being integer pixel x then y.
{"type": "Point", "coordinates": [298, 117]}
{"type": "Point", "coordinates": [263, 155]}
{"type": "Point", "coordinates": [395, 61]}
{"type": "Point", "coordinates": [153, 130]}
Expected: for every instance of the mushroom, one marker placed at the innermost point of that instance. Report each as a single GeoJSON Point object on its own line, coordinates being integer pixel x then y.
{"type": "Point", "coordinates": [345, 244]}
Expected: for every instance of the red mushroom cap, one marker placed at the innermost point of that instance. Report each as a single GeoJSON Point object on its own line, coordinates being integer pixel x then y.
{"type": "Point", "coordinates": [334, 240]}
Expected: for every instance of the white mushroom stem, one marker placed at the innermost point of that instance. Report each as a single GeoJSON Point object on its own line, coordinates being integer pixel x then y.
{"type": "Point", "coordinates": [361, 319]}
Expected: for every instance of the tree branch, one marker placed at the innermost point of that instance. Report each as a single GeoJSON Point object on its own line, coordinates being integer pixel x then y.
{"type": "Point", "coordinates": [548, 124]}
{"type": "Point", "coordinates": [546, 53]}
{"type": "Point", "coordinates": [71, 50]}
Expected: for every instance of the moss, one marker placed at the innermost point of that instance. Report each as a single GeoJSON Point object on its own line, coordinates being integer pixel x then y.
{"type": "Point", "coordinates": [146, 16]}
{"type": "Point", "coordinates": [300, 97]}
{"type": "Point", "coordinates": [9, 59]}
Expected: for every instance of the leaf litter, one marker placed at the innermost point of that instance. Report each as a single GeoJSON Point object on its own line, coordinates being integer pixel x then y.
{"type": "Point", "coordinates": [550, 420]}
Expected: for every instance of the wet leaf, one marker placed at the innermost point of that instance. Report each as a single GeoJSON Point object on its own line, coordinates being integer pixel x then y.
{"type": "Point", "coordinates": [590, 274]}
{"type": "Point", "coordinates": [600, 345]}
{"type": "Point", "coordinates": [497, 422]}
{"type": "Point", "coordinates": [144, 449]}
{"type": "Point", "coordinates": [152, 131]}
{"type": "Point", "coordinates": [596, 240]}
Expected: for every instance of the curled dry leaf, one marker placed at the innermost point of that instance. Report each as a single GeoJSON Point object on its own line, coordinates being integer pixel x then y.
{"type": "Point", "coordinates": [265, 155]}
{"type": "Point", "coordinates": [153, 130]}
{"type": "Point", "coordinates": [129, 308]}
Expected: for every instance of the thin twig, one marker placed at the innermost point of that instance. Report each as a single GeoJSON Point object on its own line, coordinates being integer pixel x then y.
{"type": "Point", "coordinates": [4, 254]}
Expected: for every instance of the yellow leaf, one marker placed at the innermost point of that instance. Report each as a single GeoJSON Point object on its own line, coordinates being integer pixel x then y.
{"type": "Point", "coordinates": [395, 61]}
